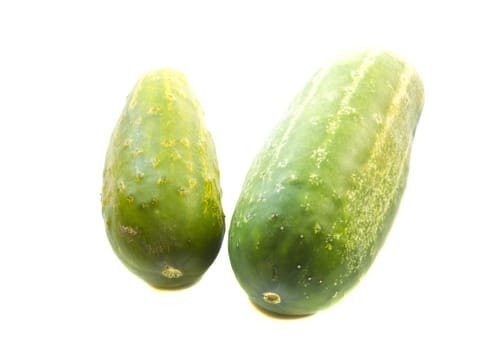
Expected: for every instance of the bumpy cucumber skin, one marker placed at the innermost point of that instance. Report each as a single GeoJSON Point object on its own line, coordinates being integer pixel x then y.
{"type": "Point", "coordinates": [322, 194]}
{"type": "Point", "coordinates": [161, 195]}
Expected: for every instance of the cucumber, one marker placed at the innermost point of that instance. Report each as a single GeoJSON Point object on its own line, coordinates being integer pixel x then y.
{"type": "Point", "coordinates": [161, 195]}
{"type": "Point", "coordinates": [322, 193]}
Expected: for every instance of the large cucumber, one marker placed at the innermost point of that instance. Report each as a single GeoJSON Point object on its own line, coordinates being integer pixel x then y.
{"type": "Point", "coordinates": [161, 196]}
{"type": "Point", "coordinates": [322, 194]}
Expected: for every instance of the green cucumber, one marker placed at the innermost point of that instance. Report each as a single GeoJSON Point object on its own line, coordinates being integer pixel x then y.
{"type": "Point", "coordinates": [161, 195]}
{"type": "Point", "coordinates": [322, 194]}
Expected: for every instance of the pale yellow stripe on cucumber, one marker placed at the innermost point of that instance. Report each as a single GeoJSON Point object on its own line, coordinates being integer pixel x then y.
{"type": "Point", "coordinates": [320, 154]}
{"type": "Point", "coordinates": [376, 203]}
{"type": "Point", "coordinates": [357, 77]}
{"type": "Point", "coordinates": [402, 135]}
{"type": "Point", "coordinates": [297, 113]}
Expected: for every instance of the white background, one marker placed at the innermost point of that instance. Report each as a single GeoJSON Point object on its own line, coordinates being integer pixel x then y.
{"type": "Point", "coordinates": [65, 70]}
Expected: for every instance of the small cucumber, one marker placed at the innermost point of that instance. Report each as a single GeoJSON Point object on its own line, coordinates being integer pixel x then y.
{"type": "Point", "coordinates": [322, 194]}
{"type": "Point", "coordinates": [161, 196]}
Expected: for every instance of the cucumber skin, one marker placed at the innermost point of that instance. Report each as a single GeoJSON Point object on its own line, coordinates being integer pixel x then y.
{"type": "Point", "coordinates": [323, 192]}
{"type": "Point", "coordinates": [161, 195]}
